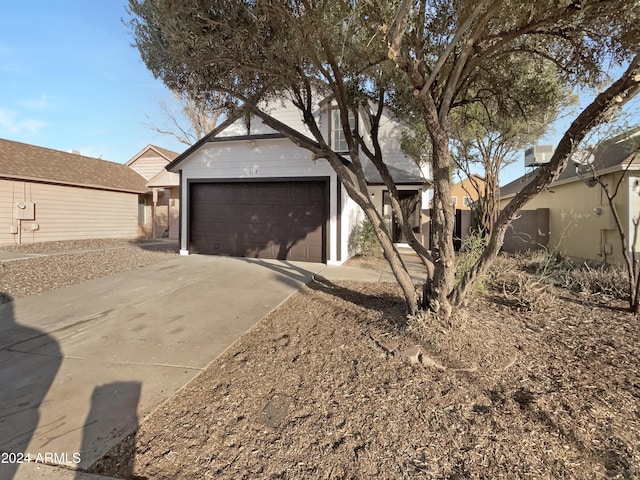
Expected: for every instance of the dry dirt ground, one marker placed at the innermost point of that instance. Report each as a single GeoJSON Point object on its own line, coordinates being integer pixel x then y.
{"type": "Point", "coordinates": [331, 385]}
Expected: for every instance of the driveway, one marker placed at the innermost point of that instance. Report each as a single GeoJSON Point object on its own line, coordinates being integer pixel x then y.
{"type": "Point", "coordinates": [82, 366]}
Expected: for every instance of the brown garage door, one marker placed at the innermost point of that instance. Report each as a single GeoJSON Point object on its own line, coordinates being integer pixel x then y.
{"type": "Point", "coordinates": [279, 220]}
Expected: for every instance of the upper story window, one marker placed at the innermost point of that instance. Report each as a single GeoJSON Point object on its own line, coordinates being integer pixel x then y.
{"type": "Point", "coordinates": [337, 141]}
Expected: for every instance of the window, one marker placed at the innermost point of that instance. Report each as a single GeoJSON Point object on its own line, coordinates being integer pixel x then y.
{"type": "Point", "coordinates": [336, 140]}
{"type": "Point", "coordinates": [468, 201]}
{"type": "Point", "coordinates": [142, 210]}
{"type": "Point", "coordinates": [454, 200]}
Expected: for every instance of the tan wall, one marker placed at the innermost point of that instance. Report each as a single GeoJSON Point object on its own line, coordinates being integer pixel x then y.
{"type": "Point", "coordinates": [149, 164]}
{"type": "Point", "coordinates": [575, 229]}
{"type": "Point", "coordinates": [465, 189]}
{"type": "Point", "coordinates": [66, 213]}
{"type": "Point", "coordinates": [167, 214]}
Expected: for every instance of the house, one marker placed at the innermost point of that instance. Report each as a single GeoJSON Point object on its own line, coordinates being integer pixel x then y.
{"type": "Point", "coordinates": [580, 223]}
{"type": "Point", "coordinates": [160, 206]}
{"type": "Point", "coordinates": [246, 190]}
{"type": "Point", "coordinates": [467, 191]}
{"type": "Point", "coordinates": [48, 195]}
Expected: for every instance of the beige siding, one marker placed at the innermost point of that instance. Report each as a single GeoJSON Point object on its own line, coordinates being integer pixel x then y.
{"type": "Point", "coordinates": [66, 213]}
{"type": "Point", "coordinates": [167, 214]}
{"type": "Point", "coordinates": [149, 164]}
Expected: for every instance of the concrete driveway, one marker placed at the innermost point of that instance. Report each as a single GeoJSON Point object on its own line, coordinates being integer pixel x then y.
{"type": "Point", "coordinates": [82, 366]}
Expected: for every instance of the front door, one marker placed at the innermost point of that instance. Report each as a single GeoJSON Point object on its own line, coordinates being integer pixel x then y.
{"type": "Point", "coordinates": [410, 202]}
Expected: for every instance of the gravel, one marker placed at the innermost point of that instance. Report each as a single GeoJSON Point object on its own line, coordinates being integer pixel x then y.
{"type": "Point", "coordinates": [60, 264]}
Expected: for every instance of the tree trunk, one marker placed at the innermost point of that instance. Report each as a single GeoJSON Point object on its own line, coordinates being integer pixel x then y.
{"type": "Point", "coordinates": [437, 292]}
{"type": "Point", "coordinates": [601, 110]}
{"type": "Point", "coordinates": [394, 259]}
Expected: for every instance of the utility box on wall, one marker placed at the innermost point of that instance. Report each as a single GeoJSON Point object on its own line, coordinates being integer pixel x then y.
{"type": "Point", "coordinates": [24, 211]}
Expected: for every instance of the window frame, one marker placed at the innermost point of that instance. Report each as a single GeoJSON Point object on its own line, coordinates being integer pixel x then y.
{"type": "Point", "coordinates": [338, 130]}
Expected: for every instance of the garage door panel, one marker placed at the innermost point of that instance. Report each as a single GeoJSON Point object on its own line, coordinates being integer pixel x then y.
{"type": "Point", "coordinates": [284, 220]}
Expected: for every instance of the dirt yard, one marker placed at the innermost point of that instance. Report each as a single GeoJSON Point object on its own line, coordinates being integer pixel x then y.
{"type": "Point", "coordinates": [331, 385]}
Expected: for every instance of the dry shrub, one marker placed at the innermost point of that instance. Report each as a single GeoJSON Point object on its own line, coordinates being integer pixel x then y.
{"type": "Point", "coordinates": [584, 277]}
{"type": "Point", "coordinates": [525, 293]}
{"type": "Point", "coordinates": [607, 279]}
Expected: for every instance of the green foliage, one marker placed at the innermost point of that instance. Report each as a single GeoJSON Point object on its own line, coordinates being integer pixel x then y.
{"type": "Point", "coordinates": [424, 60]}
{"type": "Point", "coordinates": [472, 248]}
{"type": "Point", "coordinates": [363, 239]}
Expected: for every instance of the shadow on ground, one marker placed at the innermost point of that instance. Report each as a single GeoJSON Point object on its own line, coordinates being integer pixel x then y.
{"type": "Point", "coordinates": [25, 376]}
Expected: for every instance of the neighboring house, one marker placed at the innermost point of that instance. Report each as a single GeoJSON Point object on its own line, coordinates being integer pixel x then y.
{"type": "Point", "coordinates": [246, 190]}
{"type": "Point", "coordinates": [48, 195]}
{"type": "Point", "coordinates": [467, 191]}
{"type": "Point", "coordinates": [160, 206]}
{"type": "Point", "coordinates": [580, 222]}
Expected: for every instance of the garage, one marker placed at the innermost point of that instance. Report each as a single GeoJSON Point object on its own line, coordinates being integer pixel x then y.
{"type": "Point", "coordinates": [284, 220]}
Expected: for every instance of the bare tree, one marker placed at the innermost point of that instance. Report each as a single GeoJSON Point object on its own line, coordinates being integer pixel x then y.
{"type": "Point", "coordinates": [621, 139]}
{"type": "Point", "coordinates": [424, 56]}
{"type": "Point", "coordinates": [189, 119]}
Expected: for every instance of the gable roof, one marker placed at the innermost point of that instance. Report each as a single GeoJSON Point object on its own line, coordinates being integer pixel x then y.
{"type": "Point", "coordinates": [21, 161]}
{"type": "Point", "coordinates": [403, 170]}
{"type": "Point", "coordinates": [611, 155]}
{"type": "Point", "coordinates": [168, 155]}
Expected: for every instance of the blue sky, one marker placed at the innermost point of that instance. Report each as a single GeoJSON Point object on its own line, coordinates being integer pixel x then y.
{"type": "Point", "coordinates": [70, 79]}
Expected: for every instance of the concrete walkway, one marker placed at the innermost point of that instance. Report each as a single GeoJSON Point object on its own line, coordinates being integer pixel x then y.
{"type": "Point", "coordinates": [99, 357]}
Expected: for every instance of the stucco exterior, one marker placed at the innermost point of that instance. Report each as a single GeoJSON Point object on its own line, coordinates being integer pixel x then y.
{"type": "Point", "coordinates": [466, 190]}
{"type": "Point", "coordinates": [581, 224]}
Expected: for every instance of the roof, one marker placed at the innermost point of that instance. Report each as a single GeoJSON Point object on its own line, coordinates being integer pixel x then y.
{"type": "Point", "coordinates": [169, 155]}
{"type": "Point", "coordinates": [611, 155]}
{"type": "Point", "coordinates": [403, 170]}
{"type": "Point", "coordinates": [29, 162]}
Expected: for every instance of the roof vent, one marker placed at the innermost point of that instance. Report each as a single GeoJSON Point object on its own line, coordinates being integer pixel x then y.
{"type": "Point", "coordinates": [75, 152]}
{"type": "Point", "coordinates": [537, 155]}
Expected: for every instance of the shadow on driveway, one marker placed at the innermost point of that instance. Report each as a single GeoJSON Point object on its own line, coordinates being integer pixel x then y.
{"type": "Point", "coordinates": [25, 377]}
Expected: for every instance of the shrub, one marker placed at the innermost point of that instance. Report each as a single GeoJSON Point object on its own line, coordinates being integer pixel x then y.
{"type": "Point", "coordinates": [551, 268]}
{"type": "Point", "coordinates": [469, 254]}
{"type": "Point", "coordinates": [363, 239]}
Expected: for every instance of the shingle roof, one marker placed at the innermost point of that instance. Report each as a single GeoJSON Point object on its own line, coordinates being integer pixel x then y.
{"type": "Point", "coordinates": [168, 154]}
{"type": "Point", "coordinates": [609, 154]}
{"type": "Point", "coordinates": [29, 162]}
{"type": "Point", "coordinates": [402, 170]}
